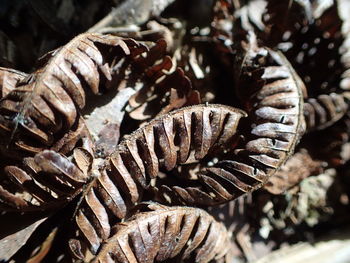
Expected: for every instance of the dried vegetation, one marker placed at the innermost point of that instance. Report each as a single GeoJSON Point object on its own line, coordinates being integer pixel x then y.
{"type": "Point", "coordinates": [212, 131]}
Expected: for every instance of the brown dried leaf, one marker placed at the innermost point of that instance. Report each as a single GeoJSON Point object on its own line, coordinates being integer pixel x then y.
{"type": "Point", "coordinates": [322, 35]}
{"type": "Point", "coordinates": [103, 122]}
{"type": "Point", "coordinates": [331, 144]}
{"type": "Point", "coordinates": [324, 32]}
{"type": "Point", "coordinates": [77, 136]}
{"type": "Point", "coordinates": [302, 31]}
{"type": "Point", "coordinates": [9, 78]}
{"type": "Point", "coordinates": [83, 159]}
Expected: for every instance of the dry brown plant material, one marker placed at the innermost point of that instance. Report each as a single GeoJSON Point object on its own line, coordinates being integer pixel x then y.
{"type": "Point", "coordinates": [302, 30]}
{"type": "Point", "coordinates": [325, 110]}
{"type": "Point", "coordinates": [171, 152]}
{"type": "Point", "coordinates": [297, 168]}
{"type": "Point", "coordinates": [167, 233]}
{"type": "Point", "coordinates": [46, 104]}
{"type": "Point", "coordinates": [181, 137]}
{"type": "Point", "coordinates": [273, 97]}
{"type": "Point", "coordinates": [47, 181]}
{"type": "Point", "coordinates": [9, 79]}
{"type": "Point", "coordinates": [167, 88]}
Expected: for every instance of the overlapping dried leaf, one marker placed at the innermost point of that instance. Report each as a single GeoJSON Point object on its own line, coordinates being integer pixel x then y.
{"type": "Point", "coordinates": [325, 110]}
{"type": "Point", "coordinates": [300, 166]}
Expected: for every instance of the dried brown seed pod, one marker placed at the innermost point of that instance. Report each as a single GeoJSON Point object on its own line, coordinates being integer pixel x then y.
{"type": "Point", "coordinates": [181, 137]}
{"type": "Point", "coordinates": [44, 105]}
{"type": "Point", "coordinates": [167, 233]}
{"type": "Point", "coordinates": [273, 95]}
{"type": "Point", "coordinates": [47, 181]}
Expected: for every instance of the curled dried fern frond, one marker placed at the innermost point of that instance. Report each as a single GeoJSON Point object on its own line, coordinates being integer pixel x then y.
{"type": "Point", "coordinates": [45, 104]}
{"type": "Point", "coordinates": [323, 35]}
{"type": "Point", "coordinates": [181, 137]}
{"type": "Point", "coordinates": [326, 76]}
{"type": "Point", "coordinates": [273, 95]}
{"type": "Point", "coordinates": [302, 31]}
{"type": "Point", "coordinates": [47, 181]}
{"type": "Point", "coordinates": [78, 133]}
{"type": "Point", "coordinates": [167, 233]}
